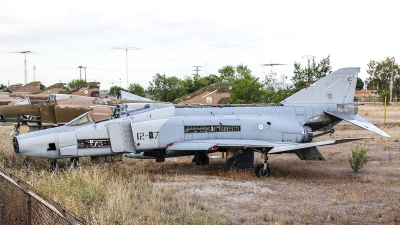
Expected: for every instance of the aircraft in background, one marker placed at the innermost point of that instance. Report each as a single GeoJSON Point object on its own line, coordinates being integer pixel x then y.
{"type": "Point", "coordinates": [31, 93]}
{"type": "Point", "coordinates": [218, 93]}
{"type": "Point", "coordinates": [157, 130]}
{"type": "Point", "coordinates": [42, 111]}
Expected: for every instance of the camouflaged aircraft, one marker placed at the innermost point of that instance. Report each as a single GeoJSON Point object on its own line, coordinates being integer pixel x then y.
{"type": "Point", "coordinates": [42, 111]}
{"type": "Point", "coordinates": [165, 130]}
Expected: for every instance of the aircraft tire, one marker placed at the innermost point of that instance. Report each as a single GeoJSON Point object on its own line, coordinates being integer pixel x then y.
{"type": "Point", "coordinates": [202, 160]}
{"type": "Point", "coordinates": [260, 172]}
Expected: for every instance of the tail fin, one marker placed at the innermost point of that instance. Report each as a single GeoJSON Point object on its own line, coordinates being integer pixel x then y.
{"type": "Point", "coordinates": [337, 87]}
{"type": "Point", "coordinates": [129, 96]}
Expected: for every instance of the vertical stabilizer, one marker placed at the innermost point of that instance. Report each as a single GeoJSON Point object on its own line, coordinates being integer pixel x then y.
{"type": "Point", "coordinates": [337, 87]}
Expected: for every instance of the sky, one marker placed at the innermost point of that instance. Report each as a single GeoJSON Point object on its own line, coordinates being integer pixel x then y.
{"type": "Point", "coordinates": [174, 36]}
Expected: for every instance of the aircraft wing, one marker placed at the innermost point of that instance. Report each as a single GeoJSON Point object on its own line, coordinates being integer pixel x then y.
{"type": "Point", "coordinates": [307, 151]}
{"type": "Point", "coordinates": [129, 96]}
{"type": "Point", "coordinates": [359, 121]}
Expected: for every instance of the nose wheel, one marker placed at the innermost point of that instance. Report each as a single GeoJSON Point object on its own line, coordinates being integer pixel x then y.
{"type": "Point", "coordinates": [262, 170]}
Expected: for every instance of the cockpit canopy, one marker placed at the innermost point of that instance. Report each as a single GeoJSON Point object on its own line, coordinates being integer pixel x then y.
{"type": "Point", "coordinates": [81, 120]}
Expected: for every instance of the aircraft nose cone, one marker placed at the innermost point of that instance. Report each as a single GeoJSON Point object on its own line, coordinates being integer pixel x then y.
{"type": "Point", "coordinates": [15, 145]}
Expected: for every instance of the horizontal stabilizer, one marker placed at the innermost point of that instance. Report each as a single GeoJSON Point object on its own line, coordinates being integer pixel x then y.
{"type": "Point", "coordinates": [359, 121]}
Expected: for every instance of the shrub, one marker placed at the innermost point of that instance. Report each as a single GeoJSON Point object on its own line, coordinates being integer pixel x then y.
{"type": "Point", "coordinates": [382, 97]}
{"type": "Point", "coordinates": [358, 156]}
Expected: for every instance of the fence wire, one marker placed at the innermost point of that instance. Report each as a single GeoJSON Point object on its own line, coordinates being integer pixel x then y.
{"type": "Point", "coordinates": [22, 204]}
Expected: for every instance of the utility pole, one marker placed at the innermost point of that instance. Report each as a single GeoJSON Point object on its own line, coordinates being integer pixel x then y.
{"type": "Point", "coordinates": [308, 74]}
{"type": "Point", "coordinates": [34, 74]}
{"type": "Point", "coordinates": [309, 57]}
{"type": "Point", "coordinates": [197, 69]}
{"type": "Point", "coordinates": [85, 72]}
{"type": "Point", "coordinates": [272, 74]}
{"type": "Point", "coordinates": [24, 52]}
{"type": "Point", "coordinates": [26, 75]}
{"type": "Point", "coordinates": [80, 72]}
{"type": "Point", "coordinates": [126, 50]}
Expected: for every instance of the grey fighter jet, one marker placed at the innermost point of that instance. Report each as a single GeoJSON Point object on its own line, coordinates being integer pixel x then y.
{"type": "Point", "coordinates": [165, 130]}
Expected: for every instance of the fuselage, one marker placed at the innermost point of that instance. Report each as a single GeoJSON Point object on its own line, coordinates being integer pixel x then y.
{"type": "Point", "coordinates": [155, 126]}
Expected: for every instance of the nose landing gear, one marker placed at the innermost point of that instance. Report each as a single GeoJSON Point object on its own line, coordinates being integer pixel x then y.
{"type": "Point", "coordinates": [262, 170]}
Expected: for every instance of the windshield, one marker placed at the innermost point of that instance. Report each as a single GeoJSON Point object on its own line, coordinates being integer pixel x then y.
{"type": "Point", "coordinates": [80, 120]}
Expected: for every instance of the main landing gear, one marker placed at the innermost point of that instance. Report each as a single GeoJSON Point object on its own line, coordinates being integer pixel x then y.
{"type": "Point", "coordinates": [73, 163]}
{"type": "Point", "coordinates": [15, 131]}
{"type": "Point", "coordinates": [262, 170]}
{"type": "Point", "coordinates": [53, 164]}
{"type": "Point", "coordinates": [201, 159]}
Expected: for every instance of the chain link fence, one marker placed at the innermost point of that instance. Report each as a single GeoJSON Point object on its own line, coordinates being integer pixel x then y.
{"type": "Point", "coordinates": [22, 204]}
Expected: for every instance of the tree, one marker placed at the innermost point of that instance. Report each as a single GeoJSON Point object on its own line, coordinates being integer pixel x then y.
{"type": "Point", "coordinates": [385, 95]}
{"type": "Point", "coordinates": [304, 77]}
{"type": "Point", "coordinates": [380, 73]}
{"type": "Point", "coordinates": [3, 87]}
{"type": "Point", "coordinates": [212, 79]}
{"type": "Point", "coordinates": [227, 73]}
{"type": "Point", "coordinates": [277, 96]}
{"type": "Point", "coordinates": [114, 90]}
{"type": "Point", "coordinates": [192, 83]}
{"type": "Point", "coordinates": [76, 83]}
{"type": "Point", "coordinates": [247, 89]}
{"type": "Point", "coordinates": [136, 89]}
{"type": "Point", "coordinates": [164, 88]}
{"type": "Point", "coordinates": [360, 84]}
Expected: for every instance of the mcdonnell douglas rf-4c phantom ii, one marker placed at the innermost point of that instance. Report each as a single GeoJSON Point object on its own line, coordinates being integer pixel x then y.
{"type": "Point", "coordinates": [165, 130]}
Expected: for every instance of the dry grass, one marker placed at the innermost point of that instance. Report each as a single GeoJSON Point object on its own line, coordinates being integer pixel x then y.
{"type": "Point", "coordinates": [178, 192]}
{"type": "Point", "coordinates": [374, 113]}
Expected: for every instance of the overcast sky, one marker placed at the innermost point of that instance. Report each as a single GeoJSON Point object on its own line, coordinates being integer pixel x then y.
{"type": "Point", "coordinates": [174, 36]}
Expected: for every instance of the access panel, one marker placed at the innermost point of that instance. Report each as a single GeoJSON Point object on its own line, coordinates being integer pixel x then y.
{"type": "Point", "coordinates": [121, 137]}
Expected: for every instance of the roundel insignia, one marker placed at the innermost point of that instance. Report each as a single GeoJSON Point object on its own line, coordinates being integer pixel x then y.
{"type": "Point", "coordinates": [329, 95]}
{"type": "Point", "coordinates": [49, 91]}
{"type": "Point", "coordinates": [230, 87]}
{"type": "Point", "coordinates": [260, 127]}
{"type": "Point", "coordinates": [86, 92]}
{"type": "Point", "coordinates": [208, 99]}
